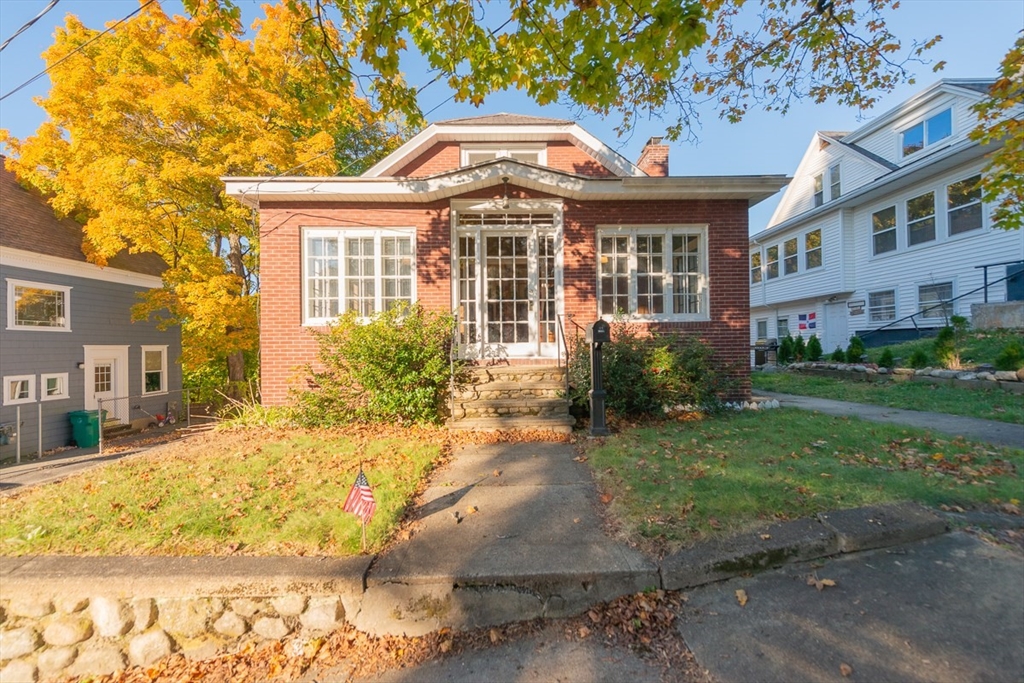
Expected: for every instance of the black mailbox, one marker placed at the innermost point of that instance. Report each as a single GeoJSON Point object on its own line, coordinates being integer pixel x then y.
{"type": "Point", "coordinates": [598, 332]}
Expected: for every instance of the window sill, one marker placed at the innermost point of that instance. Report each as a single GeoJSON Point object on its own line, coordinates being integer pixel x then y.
{"type": "Point", "coordinates": [20, 328]}
{"type": "Point", "coordinates": [62, 397]}
{"type": "Point", "coordinates": [162, 392]}
{"type": "Point", "coordinates": [648, 319]}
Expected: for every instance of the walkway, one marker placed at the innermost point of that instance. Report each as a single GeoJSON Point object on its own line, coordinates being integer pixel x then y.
{"type": "Point", "coordinates": [971, 428]}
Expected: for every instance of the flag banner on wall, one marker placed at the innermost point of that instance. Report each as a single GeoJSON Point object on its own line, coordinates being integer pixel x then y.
{"type": "Point", "coordinates": [807, 321]}
{"type": "Point", "coordinates": [360, 500]}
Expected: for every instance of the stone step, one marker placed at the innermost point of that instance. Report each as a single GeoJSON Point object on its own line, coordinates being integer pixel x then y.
{"type": "Point", "coordinates": [561, 424]}
{"type": "Point", "coordinates": [519, 374]}
{"type": "Point", "coordinates": [499, 390]}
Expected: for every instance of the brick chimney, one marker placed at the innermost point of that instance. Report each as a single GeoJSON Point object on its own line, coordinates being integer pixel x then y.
{"type": "Point", "coordinates": [654, 159]}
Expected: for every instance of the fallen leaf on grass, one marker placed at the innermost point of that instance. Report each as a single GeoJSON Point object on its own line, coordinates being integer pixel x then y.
{"type": "Point", "coordinates": [581, 458]}
{"type": "Point", "coordinates": [741, 597]}
{"type": "Point", "coordinates": [495, 636]}
{"type": "Point", "coordinates": [845, 669]}
{"type": "Point", "coordinates": [497, 473]}
{"type": "Point", "coordinates": [765, 537]}
{"type": "Point", "coordinates": [583, 632]}
{"type": "Point", "coordinates": [820, 584]}
{"type": "Point", "coordinates": [606, 498]}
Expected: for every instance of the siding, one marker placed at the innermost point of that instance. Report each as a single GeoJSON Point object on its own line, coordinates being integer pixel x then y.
{"type": "Point", "coordinates": [100, 315]}
{"type": "Point", "coordinates": [885, 141]}
{"type": "Point", "coordinates": [805, 283]}
{"type": "Point", "coordinates": [562, 156]}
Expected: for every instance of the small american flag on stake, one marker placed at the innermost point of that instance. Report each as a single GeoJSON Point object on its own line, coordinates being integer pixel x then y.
{"type": "Point", "coordinates": [360, 500]}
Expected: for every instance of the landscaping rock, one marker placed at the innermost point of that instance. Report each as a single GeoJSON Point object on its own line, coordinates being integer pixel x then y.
{"type": "Point", "coordinates": [323, 614]}
{"type": "Point", "coordinates": [944, 374]}
{"type": "Point", "coordinates": [97, 660]}
{"type": "Point", "coordinates": [70, 631]}
{"type": "Point", "coordinates": [55, 659]}
{"type": "Point", "coordinates": [882, 371]}
{"type": "Point", "coordinates": [1005, 376]}
{"type": "Point", "coordinates": [881, 526]}
{"type": "Point", "coordinates": [18, 642]}
{"type": "Point", "coordinates": [149, 647]}
{"type": "Point", "coordinates": [903, 371]}
{"type": "Point", "coordinates": [230, 624]}
{"type": "Point", "coordinates": [859, 368]}
{"type": "Point", "coordinates": [143, 614]}
{"type": "Point", "coordinates": [967, 376]}
{"type": "Point", "coordinates": [70, 605]}
{"type": "Point", "coordinates": [990, 376]}
{"type": "Point", "coordinates": [1020, 375]}
{"type": "Point", "coordinates": [112, 617]}
{"type": "Point", "coordinates": [30, 608]}
{"type": "Point", "coordinates": [188, 617]}
{"type": "Point", "coordinates": [289, 605]}
{"type": "Point", "coordinates": [205, 650]}
{"type": "Point", "coordinates": [271, 629]}
{"type": "Point", "coordinates": [19, 671]}
{"type": "Point", "coordinates": [245, 607]}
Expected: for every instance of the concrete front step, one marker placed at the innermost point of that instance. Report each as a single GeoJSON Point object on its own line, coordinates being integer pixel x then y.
{"type": "Point", "coordinates": [555, 423]}
{"type": "Point", "coordinates": [519, 406]}
{"type": "Point", "coordinates": [498, 390]}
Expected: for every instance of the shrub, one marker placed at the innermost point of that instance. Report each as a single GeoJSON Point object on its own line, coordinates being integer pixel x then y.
{"type": "Point", "coordinates": [855, 350]}
{"type": "Point", "coordinates": [838, 356]}
{"type": "Point", "coordinates": [886, 360]}
{"type": "Point", "coordinates": [642, 374]}
{"type": "Point", "coordinates": [799, 348]}
{"type": "Point", "coordinates": [814, 350]}
{"type": "Point", "coordinates": [949, 343]}
{"type": "Point", "coordinates": [395, 367]}
{"type": "Point", "coordinates": [918, 359]}
{"type": "Point", "coordinates": [785, 353]}
{"type": "Point", "coordinates": [1010, 357]}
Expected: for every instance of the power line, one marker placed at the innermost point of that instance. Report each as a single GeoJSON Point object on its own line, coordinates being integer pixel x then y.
{"type": "Point", "coordinates": [75, 51]}
{"type": "Point", "coordinates": [29, 23]}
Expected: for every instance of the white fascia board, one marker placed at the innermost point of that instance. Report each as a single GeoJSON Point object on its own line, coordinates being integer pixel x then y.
{"type": "Point", "coordinates": [936, 89]}
{"type": "Point", "coordinates": [253, 191]}
{"type": "Point", "coordinates": [19, 258]}
{"type": "Point", "coordinates": [534, 133]}
{"type": "Point", "coordinates": [800, 173]}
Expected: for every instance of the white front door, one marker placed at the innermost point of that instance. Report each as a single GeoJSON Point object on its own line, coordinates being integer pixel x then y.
{"type": "Point", "coordinates": [106, 380]}
{"type": "Point", "coordinates": [508, 285]}
{"type": "Point", "coordinates": [836, 334]}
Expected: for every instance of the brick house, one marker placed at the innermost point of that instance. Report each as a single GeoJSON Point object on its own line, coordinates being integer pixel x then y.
{"type": "Point", "coordinates": [525, 227]}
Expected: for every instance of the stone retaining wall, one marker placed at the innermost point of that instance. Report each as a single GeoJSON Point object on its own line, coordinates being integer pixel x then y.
{"type": "Point", "coordinates": [998, 379]}
{"type": "Point", "coordinates": [59, 624]}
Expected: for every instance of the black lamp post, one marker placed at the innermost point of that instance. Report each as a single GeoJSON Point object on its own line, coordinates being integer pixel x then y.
{"type": "Point", "coordinates": [598, 333]}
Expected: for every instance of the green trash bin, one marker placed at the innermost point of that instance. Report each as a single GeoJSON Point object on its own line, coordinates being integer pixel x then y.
{"type": "Point", "coordinates": [85, 427]}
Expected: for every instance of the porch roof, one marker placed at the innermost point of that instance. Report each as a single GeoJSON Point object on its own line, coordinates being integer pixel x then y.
{"type": "Point", "coordinates": [254, 191]}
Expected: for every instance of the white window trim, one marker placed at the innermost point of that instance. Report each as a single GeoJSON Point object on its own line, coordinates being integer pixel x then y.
{"type": "Point", "coordinates": [340, 234]}
{"type": "Point", "coordinates": [905, 205]}
{"type": "Point", "coordinates": [942, 200]}
{"type": "Point", "coordinates": [758, 268]}
{"type": "Point", "coordinates": [786, 257]}
{"type": "Point", "coordinates": [65, 391]}
{"type": "Point", "coordinates": [924, 121]}
{"type": "Point", "coordinates": [11, 325]}
{"type": "Point", "coordinates": [952, 295]}
{"type": "Point", "coordinates": [804, 251]}
{"type": "Point", "coordinates": [895, 229]}
{"type": "Point", "coordinates": [163, 369]}
{"type": "Point", "coordinates": [768, 262]}
{"type": "Point", "coordinates": [31, 379]}
{"type": "Point", "coordinates": [502, 151]}
{"type": "Point", "coordinates": [832, 196]}
{"type": "Point", "coordinates": [701, 230]}
{"type": "Point", "coordinates": [895, 305]}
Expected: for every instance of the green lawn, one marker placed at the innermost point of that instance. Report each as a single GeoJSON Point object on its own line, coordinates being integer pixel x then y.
{"type": "Point", "coordinates": [988, 405]}
{"type": "Point", "coordinates": [247, 491]}
{"type": "Point", "coordinates": [679, 482]}
{"type": "Point", "coordinates": [979, 347]}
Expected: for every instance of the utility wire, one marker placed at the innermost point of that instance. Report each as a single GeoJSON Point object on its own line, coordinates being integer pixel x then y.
{"type": "Point", "coordinates": [75, 51]}
{"type": "Point", "coordinates": [28, 24]}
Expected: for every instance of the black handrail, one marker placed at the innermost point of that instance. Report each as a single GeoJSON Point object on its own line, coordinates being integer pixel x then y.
{"type": "Point", "coordinates": [984, 272]}
{"type": "Point", "coordinates": [942, 304]}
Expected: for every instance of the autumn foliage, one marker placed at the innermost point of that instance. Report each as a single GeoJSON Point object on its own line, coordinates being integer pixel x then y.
{"type": "Point", "coordinates": [144, 121]}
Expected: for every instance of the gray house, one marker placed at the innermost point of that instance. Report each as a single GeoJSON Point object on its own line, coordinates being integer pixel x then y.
{"type": "Point", "coordinates": [67, 339]}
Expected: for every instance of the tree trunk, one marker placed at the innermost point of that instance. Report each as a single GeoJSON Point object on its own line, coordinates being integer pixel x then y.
{"type": "Point", "coordinates": [236, 367]}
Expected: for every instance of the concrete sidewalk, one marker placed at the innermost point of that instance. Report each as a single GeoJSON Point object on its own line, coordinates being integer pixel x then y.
{"type": "Point", "coordinates": [974, 429]}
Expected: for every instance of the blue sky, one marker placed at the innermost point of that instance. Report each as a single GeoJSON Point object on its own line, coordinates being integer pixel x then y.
{"type": "Point", "coordinates": [976, 35]}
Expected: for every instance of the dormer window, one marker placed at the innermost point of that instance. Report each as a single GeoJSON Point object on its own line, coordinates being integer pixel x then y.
{"type": "Point", "coordinates": [927, 132]}
{"type": "Point", "coordinates": [476, 154]}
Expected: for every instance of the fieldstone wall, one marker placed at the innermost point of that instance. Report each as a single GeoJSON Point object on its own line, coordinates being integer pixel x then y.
{"type": "Point", "coordinates": [1006, 380]}
{"type": "Point", "coordinates": [62, 624]}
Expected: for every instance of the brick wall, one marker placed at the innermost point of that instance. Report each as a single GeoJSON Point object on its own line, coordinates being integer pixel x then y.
{"type": "Point", "coordinates": [562, 156]}
{"type": "Point", "coordinates": [287, 346]}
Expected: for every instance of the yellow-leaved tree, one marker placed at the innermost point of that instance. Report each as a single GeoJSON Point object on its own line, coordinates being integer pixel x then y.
{"type": "Point", "coordinates": [144, 121]}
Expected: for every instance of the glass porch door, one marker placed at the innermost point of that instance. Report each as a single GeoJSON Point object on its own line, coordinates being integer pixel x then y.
{"type": "Point", "coordinates": [507, 287]}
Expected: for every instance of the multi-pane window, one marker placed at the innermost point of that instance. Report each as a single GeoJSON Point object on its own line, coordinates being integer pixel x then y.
{"type": "Point", "coordinates": [921, 219]}
{"type": "Point", "coordinates": [882, 306]}
{"type": "Point", "coordinates": [883, 229]}
{"type": "Point", "coordinates": [834, 183]}
{"type": "Point", "coordinates": [963, 203]}
{"type": "Point", "coordinates": [791, 262]}
{"type": "Point", "coordinates": [927, 132]}
{"type": "Point", "coordinates": [934, 300]}
{"type": "Point", "coordinates": [755, 267]}
{"type": "Point", "coordinates": [772, 267]}
{"type": "Point", "coordinates": [812, 249]}
{"type": "Point", "coordinates": [782, 327]}
{"type": "Point", "coordinates": [531, 153]}
{"type": "Point", "coordinates": [38, 306]}
{"type": "Point", "coordinates": [154, 369]}
{"type": "Point", "coordinates": [54, 386]}
{"type": "Point", "coordinates": [653, 273]}
{"type": "Point", "coordinates": [819, 189]}
{"type": "Point", "coordinates": [614, 274]}
{"type": "Point", "coordinates": [366, 271]}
